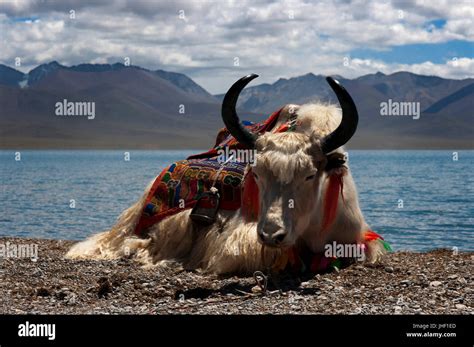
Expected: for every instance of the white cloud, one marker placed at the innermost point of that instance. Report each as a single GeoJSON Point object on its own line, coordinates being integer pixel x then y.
{"type": "Point", "coordinates": [455, 68]}
{"type": "Point", "coordinates": [275, 39]}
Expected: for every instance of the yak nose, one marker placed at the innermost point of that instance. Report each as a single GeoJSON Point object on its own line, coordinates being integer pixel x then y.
{"type": "Point", "coordinates": [272, 234]}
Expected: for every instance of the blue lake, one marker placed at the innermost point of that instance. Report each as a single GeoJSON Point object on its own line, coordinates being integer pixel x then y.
{"type": "Point", "coordinates": [417, 200]}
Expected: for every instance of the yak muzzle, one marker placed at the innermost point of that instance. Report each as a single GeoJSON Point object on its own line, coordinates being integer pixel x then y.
{"type": "Point", "coordinates": [272, 235]}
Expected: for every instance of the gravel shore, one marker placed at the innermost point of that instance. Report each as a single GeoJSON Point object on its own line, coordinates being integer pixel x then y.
{"type": "Point", "coordinates": [437, 282]}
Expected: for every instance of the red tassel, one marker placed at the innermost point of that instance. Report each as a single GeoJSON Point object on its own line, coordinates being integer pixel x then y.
{"type": "Point", "coordinates": [250, 203]}
{"type": "Point", "coordinates": [370, 235]}
{"type": "Point", "coordinates": [283, 128]}
{"type": "Point", "coordinates": [331, 199]}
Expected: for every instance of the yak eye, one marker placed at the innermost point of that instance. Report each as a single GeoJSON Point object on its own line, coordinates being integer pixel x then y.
{"type": "Point", "coordinates": [255, 175]}
{"type": "Point", "coordinates": [310, 177]}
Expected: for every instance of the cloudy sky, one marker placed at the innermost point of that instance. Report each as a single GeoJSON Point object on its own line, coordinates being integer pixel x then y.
{"type": "Point", "coordinates": [215, 42]}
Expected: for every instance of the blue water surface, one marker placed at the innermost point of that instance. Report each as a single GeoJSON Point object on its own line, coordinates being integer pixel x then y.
{"type": "Point", "coordinates": [418, 200]}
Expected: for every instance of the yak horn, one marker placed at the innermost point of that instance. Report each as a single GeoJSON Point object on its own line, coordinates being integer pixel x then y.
{"type": "Point", "coordinates": [349, 121]}
{"type": "Point", "coordinates": [230, 117]}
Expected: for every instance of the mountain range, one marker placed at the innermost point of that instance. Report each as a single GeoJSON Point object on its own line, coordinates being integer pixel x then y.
{"type": "Point", "coordinates": [141, 108]}
{"type": "Point", "coordinates": [446, 118]}
{"type": "Point", "coordinates": [135, 108]}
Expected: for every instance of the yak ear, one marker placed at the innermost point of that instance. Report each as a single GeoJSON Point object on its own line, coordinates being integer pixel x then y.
{"type": "Point", "coordinates": [316, 152]}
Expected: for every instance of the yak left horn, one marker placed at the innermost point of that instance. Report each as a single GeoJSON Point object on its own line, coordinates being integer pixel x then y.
{"type": "Point", "coordinates": [229, 114]}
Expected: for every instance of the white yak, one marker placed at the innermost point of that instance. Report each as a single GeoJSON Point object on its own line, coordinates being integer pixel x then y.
{"type": "Point", "coordinates": [291, 172]}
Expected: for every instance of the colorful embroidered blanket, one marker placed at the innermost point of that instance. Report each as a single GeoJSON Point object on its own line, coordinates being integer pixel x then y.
{"type": "Point", "coordinates": [180, 185]}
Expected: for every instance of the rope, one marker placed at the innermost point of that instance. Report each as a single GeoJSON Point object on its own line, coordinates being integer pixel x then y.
{"type": "Point", "coordinates": [261, 280]}
{"type": "Point", "coordinates": [213, 189]}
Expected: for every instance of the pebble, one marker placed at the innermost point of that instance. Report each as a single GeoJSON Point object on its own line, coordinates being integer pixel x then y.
{"type": "Point", "coordinates": [389, 269]}
{"type": "Point", "coordinates": [38, 273]}
{"type": "Point", "coordinates": [72, 300]}
{"type": "Point", "coordinates": [435, 283]}
{"type": "Point", "coordinates": [460, 306]}
{"type": "Point", "coordinates": [42, 292]}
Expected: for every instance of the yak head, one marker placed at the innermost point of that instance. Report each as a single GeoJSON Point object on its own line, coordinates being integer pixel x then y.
{"type": "Point", "coordinates": [290, 166]}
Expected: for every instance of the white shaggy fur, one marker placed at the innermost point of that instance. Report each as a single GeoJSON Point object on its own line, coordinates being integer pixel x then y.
{"type": "Point", "coordinates": [230, 245]}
